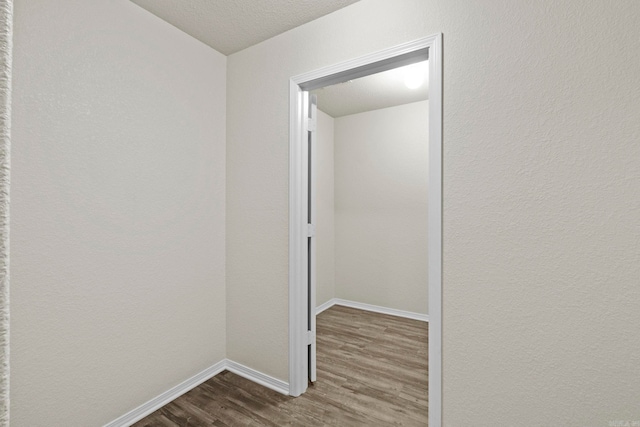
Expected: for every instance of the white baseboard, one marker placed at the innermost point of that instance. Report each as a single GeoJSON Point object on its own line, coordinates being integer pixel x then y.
{"type": "Point", "coordinates": [258, 377]}
{"type": "Point", "coordinates": [326, 305]}
{"type": "Point", "coordinates": [374, 308]}
{"type": "Point", "coordinates": [158, 402]}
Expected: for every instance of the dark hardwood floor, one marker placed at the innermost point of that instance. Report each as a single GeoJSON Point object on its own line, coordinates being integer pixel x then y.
{"type": "Point", "coordinates": [372, 371]}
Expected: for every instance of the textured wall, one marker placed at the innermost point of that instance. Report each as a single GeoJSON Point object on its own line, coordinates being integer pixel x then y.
{"type": "Point", "coordinates": [381, 181]}
{"type": "Point", "coordinates": [325, 223]}
{"type": "Point", "coordinates": [6, 46]}
{"type": "Point", "coordinates": [117, 210]}
{"type": "Point", "coordinates": [258, 166]}
{"type": "Point", "coordinates": [541, 199]}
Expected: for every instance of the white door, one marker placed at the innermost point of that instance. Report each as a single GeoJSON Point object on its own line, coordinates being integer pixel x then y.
{"type": "Point", "coordinates": [312, 103]}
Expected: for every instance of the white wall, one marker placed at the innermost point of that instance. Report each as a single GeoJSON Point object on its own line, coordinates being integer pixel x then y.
{"type": "Point", "coordinates": [117, 214]}
{"type": "Point", "coordinates": [325, 223]}
{"type": "Point", "coordinates": [112, 261]}
{"type": "Point", "coordinates": [381, 181]}
{"type": "Point", "coordinates": [540, 171]}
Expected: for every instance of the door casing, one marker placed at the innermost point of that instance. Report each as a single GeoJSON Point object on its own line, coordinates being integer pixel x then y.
{"type": "Point", "coordinates": [383, 60]}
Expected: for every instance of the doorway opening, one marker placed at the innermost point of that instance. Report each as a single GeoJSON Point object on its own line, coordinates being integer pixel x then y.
{"type": "Point", "coordinates": [302, 308]}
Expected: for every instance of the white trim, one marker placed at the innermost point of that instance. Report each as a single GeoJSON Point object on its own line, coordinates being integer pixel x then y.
{"type": "Point", "coordinates": [325, 306]}
{"type": "Point", "coordinates": [365, 65]}
{"type": "Point", "coordinates": [173, 393]}
{"type": "Point", "coordinates": [258, 377]}
{"type": "Point", "coordinates": [159, 401]}
{"type": "Point", "coordinates": [297, 252]}
{"type": "Point", "coordinates": [298, 300]}
{"type": "Point", "coordinates": [373, 308]}
{"type": "Point", "coordinates": [435, 231]}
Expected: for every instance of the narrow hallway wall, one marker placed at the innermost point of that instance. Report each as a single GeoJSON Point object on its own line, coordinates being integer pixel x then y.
{"type": "Point", "coordinates": [118, 206]}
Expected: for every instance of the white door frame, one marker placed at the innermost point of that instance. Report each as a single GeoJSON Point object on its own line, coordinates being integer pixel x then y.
{"type": "Point", "coordinates": [298, 191]}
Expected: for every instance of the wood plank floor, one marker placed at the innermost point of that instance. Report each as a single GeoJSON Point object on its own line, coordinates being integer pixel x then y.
{"type": "Point", "coordinates": [372, 371]}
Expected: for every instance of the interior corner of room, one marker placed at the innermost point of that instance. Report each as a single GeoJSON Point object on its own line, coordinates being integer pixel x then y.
{"type": "Point", "coordinates": [145, 186]}
{"type": "Point", "coordinates": [372, 209]}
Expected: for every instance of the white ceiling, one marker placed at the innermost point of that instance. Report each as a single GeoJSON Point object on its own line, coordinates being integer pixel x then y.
{"type": "Point", "coordinates": [372, 92]}
{"type": "Point", "coordinates": [229, 26]}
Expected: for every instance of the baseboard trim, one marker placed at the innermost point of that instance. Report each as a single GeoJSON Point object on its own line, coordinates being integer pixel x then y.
{"type": "Point", "coordinates": [325, 306]}
{"type": "Point", "coordinates": [258, 377]}
{"type": "Point", "coordinates": [159, 401]}
{"type": "Point", "coordinates": [374, 308]}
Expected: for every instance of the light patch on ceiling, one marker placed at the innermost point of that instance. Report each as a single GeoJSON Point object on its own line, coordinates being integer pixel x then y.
{"type": "Point", "coordinates": [382, 90]}
{"type": "Point", "coordinates": [229, 26]}
{"type": "Point", "coordinates": [414, 75]}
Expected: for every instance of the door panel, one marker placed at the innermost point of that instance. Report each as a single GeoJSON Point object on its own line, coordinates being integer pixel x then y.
{"type": "Point", "coordinates": [311, 240]}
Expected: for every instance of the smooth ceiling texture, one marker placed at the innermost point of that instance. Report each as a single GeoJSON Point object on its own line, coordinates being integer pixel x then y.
{"type": "Point", "coordinates": [381, 90]}
{"type": "Point", "coordinates": [230, 26]}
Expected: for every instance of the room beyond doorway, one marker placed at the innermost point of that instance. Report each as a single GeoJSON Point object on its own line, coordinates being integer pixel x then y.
{"type": "Point", "coordinates": [372, 181]}
{"type": "Point", "coordinates": [302, 231]}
